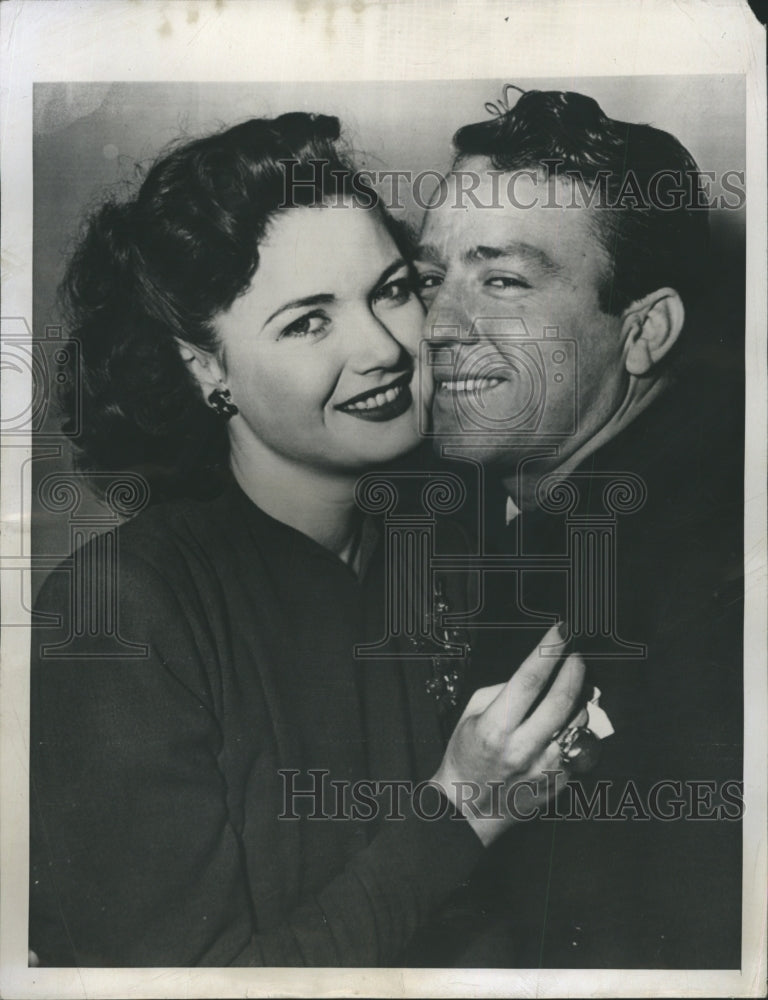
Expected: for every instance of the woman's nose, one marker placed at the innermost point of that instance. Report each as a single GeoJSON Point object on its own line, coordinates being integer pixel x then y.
{"type": "Point", "coordinates": [375, 345]}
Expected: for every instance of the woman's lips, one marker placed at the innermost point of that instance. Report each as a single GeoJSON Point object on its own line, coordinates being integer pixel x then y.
{"type": "Point", "coordinates": [381, 404]}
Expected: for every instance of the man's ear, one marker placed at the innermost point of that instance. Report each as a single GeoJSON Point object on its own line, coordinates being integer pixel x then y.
{"type": "Point", "coordinates": [205, 368]}
{"type": "Point", "coordinates": [650, 328]}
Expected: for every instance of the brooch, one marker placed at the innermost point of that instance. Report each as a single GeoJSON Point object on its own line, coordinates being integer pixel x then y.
{"type": "Point", "coordinates": [448, 669]}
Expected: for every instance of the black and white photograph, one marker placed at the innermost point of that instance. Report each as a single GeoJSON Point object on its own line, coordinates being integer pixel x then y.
{"type": "Point", "coordinates": [383, 501]}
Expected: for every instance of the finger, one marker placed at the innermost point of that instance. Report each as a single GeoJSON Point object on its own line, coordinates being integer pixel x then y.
{"type": "Point", "coordinates": [557, 707]}
{"type": "Point", "coordinates": [548, 773]}
{"type": "Point", "coordinates": [581, 719]}
{"type": "Point", "coordinates": [482, 698]}
{"type": "Point", "coordinates": [556, 782]}
{"type": "Point", "coordinates": [512, 702]}
{"type": "Point", "coordinates": [551, 772]}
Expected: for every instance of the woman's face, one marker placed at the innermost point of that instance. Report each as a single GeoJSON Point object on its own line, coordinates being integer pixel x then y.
{"type": "Point", "coordinates": [319, 353]}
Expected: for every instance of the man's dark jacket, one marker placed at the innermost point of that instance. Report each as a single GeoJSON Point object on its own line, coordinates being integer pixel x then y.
{"type": "Point", "coordinates": [633, 892]}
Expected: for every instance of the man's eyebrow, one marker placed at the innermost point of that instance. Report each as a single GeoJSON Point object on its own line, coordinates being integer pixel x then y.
{"type": "Point", "coordinates": [525, 251]}
{"type": "Point", "coordinates": [427, 251]}
{"type": "Point", "coordinates": [323, 299]}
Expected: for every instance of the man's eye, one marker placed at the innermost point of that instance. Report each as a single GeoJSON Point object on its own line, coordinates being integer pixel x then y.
{"type": "Point", "coordinates": [398, 290]}
{"type": "Point", "coordinates": [429, 281]}
{"type": "Point", "coordinates": [506, 281]}
{"type": "Point", "coordinates": [310, 325]}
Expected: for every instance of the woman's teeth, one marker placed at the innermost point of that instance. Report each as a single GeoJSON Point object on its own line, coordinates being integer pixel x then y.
{"type": "Point", "coordinates": [470, 384]}
{"type": "Point", "coordinates": [380, 399]}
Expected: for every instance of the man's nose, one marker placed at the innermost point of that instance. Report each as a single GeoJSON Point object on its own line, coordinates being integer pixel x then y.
{"type": "Point", "coordinates": [448, 319]}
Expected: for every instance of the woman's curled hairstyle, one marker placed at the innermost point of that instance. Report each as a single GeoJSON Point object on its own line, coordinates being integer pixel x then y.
{"type": "Point", "coordinates": [158, 268]}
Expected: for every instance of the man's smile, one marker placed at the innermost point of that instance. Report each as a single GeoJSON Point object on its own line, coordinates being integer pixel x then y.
{"type": "Point", "coordinates": [471, 384]}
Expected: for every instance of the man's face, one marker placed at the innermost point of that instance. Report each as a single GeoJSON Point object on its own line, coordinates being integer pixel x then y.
{"type": "Point", "coordinates": [522, 353]}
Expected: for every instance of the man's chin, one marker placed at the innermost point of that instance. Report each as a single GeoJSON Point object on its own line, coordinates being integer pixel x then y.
{"type": "Point", "coordinates": [503, 453]}
{"type": "Point", "coordinates": [489, 450]}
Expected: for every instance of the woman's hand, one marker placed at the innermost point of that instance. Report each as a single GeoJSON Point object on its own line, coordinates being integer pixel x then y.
{"type": "Point", "coordinates": [496, 746]}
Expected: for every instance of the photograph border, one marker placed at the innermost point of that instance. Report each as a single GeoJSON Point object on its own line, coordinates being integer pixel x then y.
{"type": "Point", "coordinates": [235, 40]}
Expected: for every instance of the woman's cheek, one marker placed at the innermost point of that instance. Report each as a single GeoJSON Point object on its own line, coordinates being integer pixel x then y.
{"type": "Point", "coordinates": [423, 389]}
{"type": "Point", "coordinates": [406, 325]}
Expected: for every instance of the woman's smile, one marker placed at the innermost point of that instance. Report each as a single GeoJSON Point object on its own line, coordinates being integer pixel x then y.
{"type": "Point", "coordinates": [382, 402]}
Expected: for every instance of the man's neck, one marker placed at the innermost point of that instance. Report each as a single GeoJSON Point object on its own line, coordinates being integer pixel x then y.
{"type": "Point", "coordinates": [319, 504]}
{"type": "Point", "coordinates": [521, 486]}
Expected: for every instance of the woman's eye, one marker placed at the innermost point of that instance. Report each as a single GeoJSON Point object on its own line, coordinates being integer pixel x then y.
{"type": "Point", "coordinates": [504, 281]}
{"type": "Point", "coordinates": [398, 290]}
{"type": "Point", "coordinates": [313, 324]}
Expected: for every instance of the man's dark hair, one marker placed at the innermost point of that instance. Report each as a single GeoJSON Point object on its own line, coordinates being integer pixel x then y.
{"type": "Point", "coordinates": [567, 134]}
{"type": "Point", "coordinates": [161, 266]}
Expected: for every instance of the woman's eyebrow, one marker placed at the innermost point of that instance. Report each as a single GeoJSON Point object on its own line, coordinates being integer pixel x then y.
{"type": "Point", "coordinates": [324, 298]}
{"type": "Point", "coordinates": [327, 298]}
{"type": "Point", "coordinates": [390, 269]}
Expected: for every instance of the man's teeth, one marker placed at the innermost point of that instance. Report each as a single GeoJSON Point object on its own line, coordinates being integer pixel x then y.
{"type": "Point", "coordinates": [469, 384]}
{"type": "Point", "coordinates": [380, 399]}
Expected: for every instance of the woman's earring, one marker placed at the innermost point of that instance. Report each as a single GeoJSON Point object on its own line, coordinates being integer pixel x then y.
{"type": "Point", "coordinates": [220, 400]}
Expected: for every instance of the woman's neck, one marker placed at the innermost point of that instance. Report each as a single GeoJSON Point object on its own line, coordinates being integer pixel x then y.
{"type": "Point", "coordinates": [315, 502]}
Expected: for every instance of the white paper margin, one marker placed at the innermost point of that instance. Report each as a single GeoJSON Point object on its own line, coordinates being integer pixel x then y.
{"type": "Point", "coordinates": [149, 40]}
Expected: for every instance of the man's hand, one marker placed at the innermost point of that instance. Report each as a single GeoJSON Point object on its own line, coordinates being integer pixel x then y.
{"type": "Point", "coordinates": [497, 744]}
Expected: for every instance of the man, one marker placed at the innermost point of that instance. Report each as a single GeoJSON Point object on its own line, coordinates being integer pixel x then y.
{"type": "Point", "coordinates": [562, 262]}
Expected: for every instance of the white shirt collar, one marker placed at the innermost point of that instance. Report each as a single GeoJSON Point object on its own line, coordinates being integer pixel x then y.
{"type": "Point", "coordinates": [512, 510]}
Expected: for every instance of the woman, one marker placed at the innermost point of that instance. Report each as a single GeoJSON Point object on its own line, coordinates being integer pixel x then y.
{"type": "Point", "coordinates": [248, 343]}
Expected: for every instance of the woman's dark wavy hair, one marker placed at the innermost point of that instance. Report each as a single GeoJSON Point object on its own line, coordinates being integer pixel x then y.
{"type": "Point", "coordinates": [161, 266]}
{"type": "Point", "coordinates": [649, 246]}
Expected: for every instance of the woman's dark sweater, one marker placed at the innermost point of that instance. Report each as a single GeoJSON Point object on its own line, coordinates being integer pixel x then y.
{"type": "Point", "coordinates": [155, 771]}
